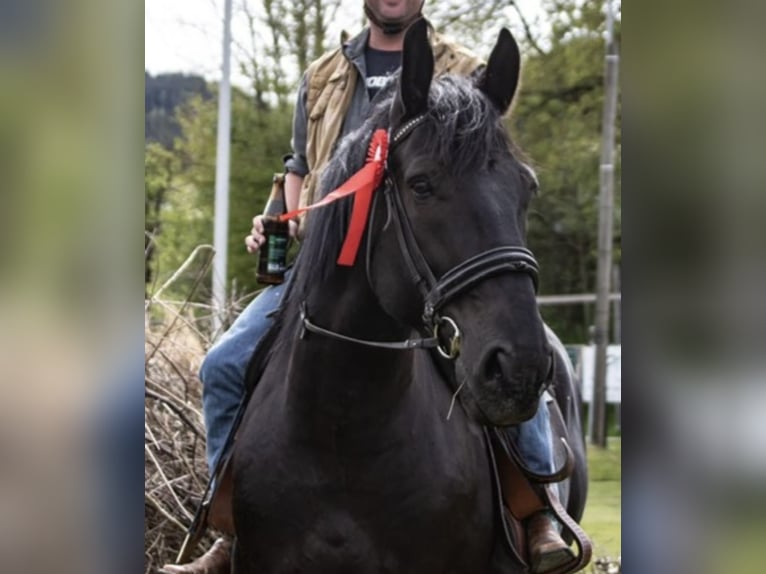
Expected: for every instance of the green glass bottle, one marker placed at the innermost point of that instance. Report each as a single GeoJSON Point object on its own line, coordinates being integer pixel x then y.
{"type": "Point", "coordinates": [272, 262]}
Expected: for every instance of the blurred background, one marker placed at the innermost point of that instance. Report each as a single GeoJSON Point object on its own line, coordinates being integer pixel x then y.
{"type": "Point", "coordinates": [74, 478]}
{"type": "Point", "coordinates": [558, 119]}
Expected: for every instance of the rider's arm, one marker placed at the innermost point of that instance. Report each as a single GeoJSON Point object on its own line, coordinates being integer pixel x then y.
{"type": "Point", "coordinates": [296, 164]}
{"type": "Point", "coordinates": [296, 168]}
{"type": "Point", "coordinates": [293, 184]}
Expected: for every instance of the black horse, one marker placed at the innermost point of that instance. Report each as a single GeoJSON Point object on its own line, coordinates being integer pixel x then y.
{"type": "Point", "coordinates": [346, 461]}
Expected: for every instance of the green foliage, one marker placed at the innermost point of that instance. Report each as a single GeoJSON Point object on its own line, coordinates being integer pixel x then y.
{"type": "Point", "coordinates": [557, 121]}
{"type": "Point", "coordinates": [259, 138]}
{"type": "Point", "coordinates": [603, 518]}
{"type": "Point", "coordinates": [605, 464]}
{"type": "Point", "coordinates": [161, 167]}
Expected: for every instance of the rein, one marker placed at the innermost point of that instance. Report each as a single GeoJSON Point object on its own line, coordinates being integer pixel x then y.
{"type": "Point", "coordinates": [436, 293]}
{"type": "Point", "coordinates": [424, 343]}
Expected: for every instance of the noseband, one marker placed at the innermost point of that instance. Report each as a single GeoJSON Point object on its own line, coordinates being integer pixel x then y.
{"type": "Point", "coordinates": [436, 293]}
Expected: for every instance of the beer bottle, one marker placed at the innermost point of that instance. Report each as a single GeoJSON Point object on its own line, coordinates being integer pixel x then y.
{"type": "Point", "coordinates": [272, 261]}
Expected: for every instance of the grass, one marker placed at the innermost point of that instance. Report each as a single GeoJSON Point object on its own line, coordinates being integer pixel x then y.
{"type": "Point", "coordinates": [602, 519]}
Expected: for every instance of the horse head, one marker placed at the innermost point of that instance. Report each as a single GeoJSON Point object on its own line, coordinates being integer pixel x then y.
{"type": "Point", "coordinates": [449, 254]}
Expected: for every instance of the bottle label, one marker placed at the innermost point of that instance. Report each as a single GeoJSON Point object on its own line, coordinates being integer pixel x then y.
{"type": "Point", "coordinates": [277, 254]}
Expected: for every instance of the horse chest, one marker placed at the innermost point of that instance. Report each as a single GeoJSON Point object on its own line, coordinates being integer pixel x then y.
{"type": "Point", "coordinates": [404, 505]}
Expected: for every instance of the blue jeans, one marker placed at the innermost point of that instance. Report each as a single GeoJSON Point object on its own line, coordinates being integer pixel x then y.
{"type": "Point", "coordinates": [534, 440]}
{"type": "Point", "coordinates": [223, 370]}
{"type": "Point", "coordinates": [223, 386]}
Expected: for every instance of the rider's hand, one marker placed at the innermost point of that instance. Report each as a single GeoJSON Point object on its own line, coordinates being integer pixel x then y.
{"type": "Point", "coordinates": [256, 238]}
{"type": "Point", "coordinates": [292, 228]}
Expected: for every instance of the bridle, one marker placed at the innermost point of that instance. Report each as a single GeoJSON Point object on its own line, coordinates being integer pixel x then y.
{"type": "Point", "coordinates": [436, 293]}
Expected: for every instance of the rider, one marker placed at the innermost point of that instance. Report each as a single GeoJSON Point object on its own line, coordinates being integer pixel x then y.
{"type": "Point", "coordinates": [336, 92]}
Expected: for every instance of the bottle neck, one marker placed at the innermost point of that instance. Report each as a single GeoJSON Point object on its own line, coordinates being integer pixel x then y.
{"type": "Point", "coordinates": [276, 204]}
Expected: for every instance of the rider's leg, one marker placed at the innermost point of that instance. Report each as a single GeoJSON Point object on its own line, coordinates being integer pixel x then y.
{"type": "Point", "coordinates": [223, 369]}
{"type": "Point", "coordinates": [223, 388]}
{"type": "Point", "coordinates": [534, 440]}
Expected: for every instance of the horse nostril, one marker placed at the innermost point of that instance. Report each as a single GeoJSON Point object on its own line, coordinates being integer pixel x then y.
{"type": "Point", "coordinates": [497, 365]}
{"type": "Point", "coordinates": [524, 368]}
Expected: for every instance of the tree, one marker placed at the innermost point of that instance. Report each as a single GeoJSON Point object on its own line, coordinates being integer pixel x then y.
{"type": "Point", "coordinates": [281, 42]}
{"type": "Point", "coordinates": [558, 122]}
{"type": "Point", "coordinates": [260, 136]}
{"type": "Point", "coordinates": [161, 168]}
{"type": "Point", "coordinates": [163, 94]}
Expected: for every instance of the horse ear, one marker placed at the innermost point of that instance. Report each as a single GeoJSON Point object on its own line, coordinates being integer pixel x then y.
{"type": "Point", "coordinates": [501, 76]}
{"type": "Point", "coordinates": [417, 72]}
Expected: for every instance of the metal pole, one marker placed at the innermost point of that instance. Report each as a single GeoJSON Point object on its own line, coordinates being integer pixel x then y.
{"type": "Point", "coordinates": [616, 309]}
{"type": "Point", "coordinates": [221, 217]}
{"type": "Point", "coordinates": [606, 224]}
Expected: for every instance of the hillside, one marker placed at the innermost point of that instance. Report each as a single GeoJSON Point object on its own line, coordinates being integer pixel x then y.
{"type": "Point", "coordinates": [162, 95]}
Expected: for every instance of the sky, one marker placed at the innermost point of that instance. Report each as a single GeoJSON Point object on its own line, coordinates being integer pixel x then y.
{"type": "Point", "coordinates": [185, 35]}
{"type": "Point", "coordinates": [182, 35]}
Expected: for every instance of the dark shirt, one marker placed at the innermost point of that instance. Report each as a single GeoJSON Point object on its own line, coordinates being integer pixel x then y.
{"type": "Point", "coordinates": [380, 65]}
{"type": "Point", "coordinates": [359, 109]}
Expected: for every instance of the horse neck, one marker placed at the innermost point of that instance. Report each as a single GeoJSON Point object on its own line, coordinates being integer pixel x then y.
{"type": "Point", "coordinates": [346, 381]}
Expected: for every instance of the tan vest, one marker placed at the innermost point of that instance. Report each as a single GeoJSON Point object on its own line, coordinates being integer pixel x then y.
{"type": "Point", "coordinates": [331, 84]}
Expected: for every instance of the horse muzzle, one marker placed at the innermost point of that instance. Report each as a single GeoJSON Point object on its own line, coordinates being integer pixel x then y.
{"type": "Point", "coordinates": [507, 383]}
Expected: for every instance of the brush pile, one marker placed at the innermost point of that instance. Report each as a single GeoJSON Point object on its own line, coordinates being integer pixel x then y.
{"type": "Point", "coordinates": [175, 471]}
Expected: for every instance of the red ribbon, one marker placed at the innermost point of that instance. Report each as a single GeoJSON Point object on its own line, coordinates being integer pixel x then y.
{"type": "Point", "coordinates": [363, 183]}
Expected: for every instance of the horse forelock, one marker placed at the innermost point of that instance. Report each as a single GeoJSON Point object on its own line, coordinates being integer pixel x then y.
{"type": "Point", "coordinates": [467, 126]}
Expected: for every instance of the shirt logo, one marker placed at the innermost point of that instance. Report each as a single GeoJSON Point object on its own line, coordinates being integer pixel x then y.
{"type": "Point", "coordinates": [377, 82]}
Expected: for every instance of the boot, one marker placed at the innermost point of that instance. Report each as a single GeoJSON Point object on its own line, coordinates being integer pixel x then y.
{"type": "Point", "coordinates": [217, 560]}
{"type": "Point", "coordinates": [547, 550]}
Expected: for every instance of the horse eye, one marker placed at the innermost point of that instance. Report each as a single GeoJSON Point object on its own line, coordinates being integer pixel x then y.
{"type": "Point", "coordinates": [420, 186]}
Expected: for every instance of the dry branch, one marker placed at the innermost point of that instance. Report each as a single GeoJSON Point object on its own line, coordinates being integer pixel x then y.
{"type": "Point", "coordinates": [175, 472]}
